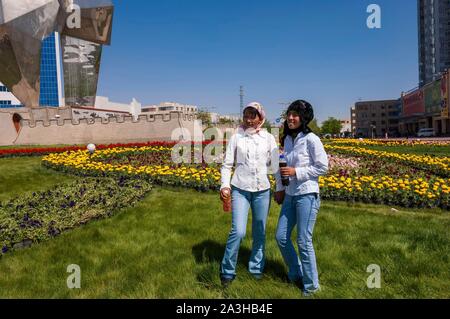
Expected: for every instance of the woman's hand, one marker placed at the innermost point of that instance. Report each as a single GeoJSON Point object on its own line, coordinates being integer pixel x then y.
{"type": "Point", "coordinates": [287, 171]}
{"type": "Point", "coordinates": [279, 197]}
{"type": "Point", "coordinates": [225, 194]}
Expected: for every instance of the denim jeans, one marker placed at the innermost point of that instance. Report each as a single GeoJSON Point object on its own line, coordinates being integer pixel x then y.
{"type": "Point", "coordinates": [302, 211]}
{"type": "Point", "coordinates": [242, 200]}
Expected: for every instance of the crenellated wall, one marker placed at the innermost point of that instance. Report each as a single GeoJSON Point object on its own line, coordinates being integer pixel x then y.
{"type": "Point", "coordinates": [45, 131]}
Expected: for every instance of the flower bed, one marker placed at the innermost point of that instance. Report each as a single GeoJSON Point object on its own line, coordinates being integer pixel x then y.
{"type": "Point", "coordinates": [434, 164]}
{"type": "Point", "coordinates": [41, 151]}
{"type": "Point", "coordinates": [43, 215]}
{"type": "Point", "coordinates": [405, 192]}
{"type": "Point", "coordinates": [111, 162]}
{"type": "Point", "coordinates": [369, 142]}
{"type": "Point", "coordinates": [351, 178]}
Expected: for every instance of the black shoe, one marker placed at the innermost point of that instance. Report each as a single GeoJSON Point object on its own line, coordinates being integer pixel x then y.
{"type": "Point", "coordinates": [226, 282]}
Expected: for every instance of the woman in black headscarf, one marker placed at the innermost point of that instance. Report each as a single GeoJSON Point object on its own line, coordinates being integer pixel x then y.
{"type": "Point", "coordinates": [306, 161]}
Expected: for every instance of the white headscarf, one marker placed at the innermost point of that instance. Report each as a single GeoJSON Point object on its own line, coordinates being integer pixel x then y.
{"type": "Point", "coordinates": [262, 114]}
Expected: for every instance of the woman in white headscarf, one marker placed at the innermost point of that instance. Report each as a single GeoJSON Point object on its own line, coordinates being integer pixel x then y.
{"type": "Point", "coordinates": [254, 150]}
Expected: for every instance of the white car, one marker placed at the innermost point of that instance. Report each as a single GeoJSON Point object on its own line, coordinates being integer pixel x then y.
{"type": "Point", "coordinates": [426, 132]}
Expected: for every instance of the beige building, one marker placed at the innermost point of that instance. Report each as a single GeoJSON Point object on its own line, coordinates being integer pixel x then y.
{"type": "Point", "coordinates": [346, 129]}
{"type": "Point", "coordinates": [372, 119]}
{"type": "Point", "coordinates": [167, 107]}
{"type": "Point", "coordinates": [217, 118]}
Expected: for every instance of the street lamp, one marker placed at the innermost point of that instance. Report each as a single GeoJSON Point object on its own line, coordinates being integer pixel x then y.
{"type": "Point", "coordinates": [91, 148]}
{"type": "Point", "coordinates": [373, 131]}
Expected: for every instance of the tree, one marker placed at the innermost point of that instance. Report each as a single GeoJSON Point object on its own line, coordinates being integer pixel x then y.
{"type": "Point", "coordinates": [268, 126]}
{"type": "Point", "coordinates": [331, 126]}
{"type": "Point", "coordinates": [315, 127]}
{"type": "Point", "coordinates": [205, 117]}
{"type": "Point", "coordinates": [225, 121]}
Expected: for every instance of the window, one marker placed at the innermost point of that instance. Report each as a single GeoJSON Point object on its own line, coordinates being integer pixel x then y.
{"type": "Point", "coordinates": [49, 76]}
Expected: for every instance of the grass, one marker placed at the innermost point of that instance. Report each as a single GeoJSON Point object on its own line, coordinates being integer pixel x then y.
{"type": "Point", "coordinates": [25, 175]}
{"type": "Point", "coordinates": [170, 246]}
{"type": "Point", "coordinates": [37, 146]}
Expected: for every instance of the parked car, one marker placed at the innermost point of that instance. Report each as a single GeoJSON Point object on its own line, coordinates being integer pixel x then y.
{"type": "Point", "coordinates": [426, 132]}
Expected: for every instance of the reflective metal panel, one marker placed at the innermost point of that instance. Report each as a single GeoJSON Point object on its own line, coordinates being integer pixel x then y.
{"type": "Point", "coordinates": [86, 4]}
{"type": "Point", "coordinates": [26, 34]}
{"type": "Point", "coordinates": [96, 25]}
{"type": "Point", "coordinates": [81, 63]}
{"type": "Point", "coordinates": [23, 26]}
{"type": "Point", "coordinates": [38, 23]}
{"type": "Point", "coordinates": [12, 9]}
{"type": "Point", "coordinates": [9, 69]}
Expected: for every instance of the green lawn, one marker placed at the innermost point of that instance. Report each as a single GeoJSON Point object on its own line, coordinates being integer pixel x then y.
{"type": "Point", "coordinates": [21, 175]}
{"type": "Point", "coordinates": [170, 246]}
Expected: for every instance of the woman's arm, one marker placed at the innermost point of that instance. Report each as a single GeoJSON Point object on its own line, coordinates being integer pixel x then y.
{"type": "Point", "coordinates": [319, 159]}
{"type": "Point", "coordinates": [274, 168]}
{"type": "Point", "coordinates": [228, 163]}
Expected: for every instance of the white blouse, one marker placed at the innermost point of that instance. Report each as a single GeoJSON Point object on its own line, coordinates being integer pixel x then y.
{"type": "Point", "coordinates": [307, 155]}
{"type": "Point", "coordinates": [254, 156]}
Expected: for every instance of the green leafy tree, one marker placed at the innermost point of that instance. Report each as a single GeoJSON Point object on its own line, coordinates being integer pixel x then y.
{"type": "Point", "coordinates": [267, 125]}
{"type": "Point", "coordinates": [225, 121]}
{"type": "Point", "coordinates": [315, 127]}
{"type": "Point", "coordinates": [205, 117]}
{"type": "Point", "coordinates": [331, 126]}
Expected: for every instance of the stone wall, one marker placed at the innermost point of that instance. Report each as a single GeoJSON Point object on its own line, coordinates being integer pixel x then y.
{"type": "Point", "coordinates": [43, 130]}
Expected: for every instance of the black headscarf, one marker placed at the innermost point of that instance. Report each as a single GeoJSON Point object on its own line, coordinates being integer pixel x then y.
{"type": "Point", "coordinates": [306, 112]}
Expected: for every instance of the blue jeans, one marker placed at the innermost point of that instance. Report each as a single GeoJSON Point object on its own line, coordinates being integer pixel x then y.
{"type": "Point", "coordinates": [302, 211]}
{"type": "Point", "coordinates": [242, 200]}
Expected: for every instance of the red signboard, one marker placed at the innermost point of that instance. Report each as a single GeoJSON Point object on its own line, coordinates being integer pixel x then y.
{"type": "Point", "coordinates": [413, 103]}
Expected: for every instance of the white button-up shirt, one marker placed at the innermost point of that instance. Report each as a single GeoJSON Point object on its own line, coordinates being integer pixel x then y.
{"type": "Point", "coordinates": [254, 156]}
{"type": "Point", "coordinates": [307, 155]}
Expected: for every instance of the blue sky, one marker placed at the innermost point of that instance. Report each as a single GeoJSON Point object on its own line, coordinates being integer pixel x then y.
{"type": "Point", "coordinates": [200, 51]}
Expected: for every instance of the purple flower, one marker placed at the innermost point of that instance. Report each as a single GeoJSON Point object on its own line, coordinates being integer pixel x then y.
{"type": "Point", "coordinates": [53, 231]}
{"type": "Point", "coordinates": [36, 223]}
{"type": "Point", "coordinates": [5, 249]}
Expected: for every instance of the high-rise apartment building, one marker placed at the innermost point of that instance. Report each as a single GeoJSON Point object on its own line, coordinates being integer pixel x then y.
{"type": "Point", "coordinates": [434, 39]}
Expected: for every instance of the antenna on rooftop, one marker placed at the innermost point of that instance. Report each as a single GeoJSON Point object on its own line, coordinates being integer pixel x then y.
{"type": "Point", "coordinates": [242, 99]}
